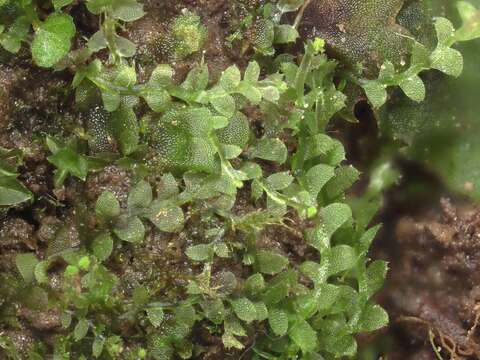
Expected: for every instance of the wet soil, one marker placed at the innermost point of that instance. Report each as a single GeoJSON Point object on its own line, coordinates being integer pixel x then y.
{"type": "Point", "coordinates": [432, 292]}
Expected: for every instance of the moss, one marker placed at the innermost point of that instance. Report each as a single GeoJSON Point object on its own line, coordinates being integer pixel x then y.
{"type": "Point", "coordinates": [185, 36]}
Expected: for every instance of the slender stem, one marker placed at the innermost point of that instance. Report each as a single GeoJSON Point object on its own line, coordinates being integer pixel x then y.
{"type": "Point", "coordinates": [300, 13]}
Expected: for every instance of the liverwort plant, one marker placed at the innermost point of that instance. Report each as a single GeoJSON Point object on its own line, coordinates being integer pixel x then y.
{"type": "Point", "coordinates": [443, 58]}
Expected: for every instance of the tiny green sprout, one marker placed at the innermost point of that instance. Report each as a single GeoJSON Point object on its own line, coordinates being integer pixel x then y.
{"type": "Point", "coordinates": [188, 35]}
{"type": "Point", "coordinates": [84, 263]}
{"type": "Point", "coordinates": [142, 353]}
{"type": "Point", "coordinates": [318, 45]}
{"type": "Point", "coordinates": [71, 270]}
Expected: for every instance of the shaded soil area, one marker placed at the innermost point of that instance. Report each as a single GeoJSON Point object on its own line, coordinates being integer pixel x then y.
{"type": "Point", "coordinates": [432, 292]}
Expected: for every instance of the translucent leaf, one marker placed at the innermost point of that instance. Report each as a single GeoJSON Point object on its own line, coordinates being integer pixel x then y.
{"type": "Point", "coordinates": [414, 88]}
{"type": "Point", "coordinates": [130, 230]}
{"type": "Point", "coordinates": [125, 47]}
{"type": "Point", "coordinates": [261, 311]}
{"type": "Point", "coordinates": [304, 336]}
{"type": "Point", "coordinates": [201, 252]}
{"type": "Point", "coordinates": [244, 309]}
{"type": "Point", "coordinates": [278, 289]}
{"type": "Point", "coordinates": [81, 329]}
{"type": "Point", "coordinates": [214, 310]}
{"type": "Point", "coordinates": [97, 41]}
{"type": "Point", "coordinates": [344, 178]}
{"type": "Point", "coordinates": [53, 39]}
{"type": "Point", "coordinates": [230, 341]}
{"type": "Point", "coordinates": [58, 4]}
{"type": "Point", "coordinates": [251, 170]}
{"type": "Point", "coordinates": [107, 206]}
{"type": "Point", "coordinates": [334, 216]}
{"type": "Point", "coordinates": [111, 101]}
{"type": "Point", "coordinates": [97, 6]}
{"type": "Point", "coordinates": [342, 345]}
{"type": "Point", "coordinates": [470, 28]}
{"type": "Point", "coordinates": [127, 10]}
{"type": "Point", "coordinates": [224, 104]}
{"type": "Point", "coordinates": [126, 76]}
{"type": "Point", "coordinates": [278, 321]}
{"type": "Point", "coordinates": [68, 160]}
{"type": "Point", "coordinates": [445, 30]}
{"type": "Point", "coordinates": [280, 181]}
{"type": "Point", "coordinates": [271, 263]}
{"type": "Point", "coordinates": [155, 315]}
{"type": "Point", "coordinates": [225, 282]}
{"type": "Point", "coordinates": [271, 150]}
{"type": "Point", "coordinates": [250, 92]}
{"type": "Point", "coordinates": [26, 264]}
{"type": "Point", "coordinates": [387, 71]}
{"type": "Point", "coordinates": [231, 151]}
{"type": "Point", "coordinates": [168, 187]}
{"type": "Point", "coordinates": [254, 284]}
{"type": "Point", "coordinates": [270, 93]}
{"type": "Point", "coordinates": [13, 192]}
{"type": "Point", "coordinates": [289, 5]}
{"type": "Point", "coordinates": [318, 274]}
{"type": "Point", "coordinates": [367, 238]}
{"type": "Point", "coordinates": [318, 145]}
{"type": "Point", "coordinates": [328, 296]}
{"type": "Point", "coordinates": [448, 61]}
{"type": "Point", "coordinates": [230, 78]}
{"type": "Point", "coordinates": [376, 93]}
{"type": "Point", "coordinates": [16, 34]}
{"type": "Point", "coordinates": [373, 318]}
{"type": "Point", "coordinates": [166, 217]}
{"type": "Point", "coordinates": [197, 79]}
{"type": "Point", "coordinates": [97, 346]}
{"type": "Point", "coordinates": [221, 250]}
{"type": "Point", "coordinates": [316, 178]}
{"type": "Point", "coordinates": [158, 99]}
{"type": "Point", "coordinates": [374, 278]}
{"type": "Point", "coordinates": [347, 300]}
{"type": "Point", "coordinates": [237, 132]}
{"type": "Point", "coordinates": [341, 258]}
{"type": "Point", "coordinates": [40, 272]}
{"type": "Point", "coordinates": [125, 129]}
{"type": "Point", "coordinates": [285, 34]}
{"type": "Point", "coordinates": [161, 76]}
{"type": "Point", "coordinates": [252, 73]}
{"type": "Point", "coordinates": [185, 313]}
{"type": "Point", "coordinates": [102, 246]}
{"type": "Point", "coordinates": [140, 196]}
{"type": "Point", "coordinates": [183, 139]}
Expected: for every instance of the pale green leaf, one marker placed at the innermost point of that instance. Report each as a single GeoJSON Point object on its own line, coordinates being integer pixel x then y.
{"type": "Point", "coordinates": [271, 150]}
{"type": "Point", "coordinates": [81, 329]}
{"type": "Point", "coordinates": [107, 206]}
{"type": "Point", "coordinates": [26, 264]}
{"type": "Point", "coordinates": [270, 262]}
{"type": "Point", "coordinates": [244, 309]}
{"type": "Point", "coordinates": [130, 230]}
{"type": "Point", "coordinates": [278, 321]}
{"type": "Point", "coordinates": [304, 336]}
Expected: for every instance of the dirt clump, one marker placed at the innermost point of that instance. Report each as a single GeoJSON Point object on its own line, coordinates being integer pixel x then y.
{"type": "Point", "coordinates": [433, 290]}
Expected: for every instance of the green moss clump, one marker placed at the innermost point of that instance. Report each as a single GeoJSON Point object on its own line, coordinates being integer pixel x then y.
{"type": "Point", "coordinates": [188, 35]}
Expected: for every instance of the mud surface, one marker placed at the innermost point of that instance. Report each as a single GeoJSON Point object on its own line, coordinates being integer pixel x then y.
{"type": "Point", "coordinates": [432, 292]}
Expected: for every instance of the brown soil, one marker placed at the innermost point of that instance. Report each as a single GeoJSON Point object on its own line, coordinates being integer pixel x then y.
{"type": "Point", "coordinates": [433, 289]}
